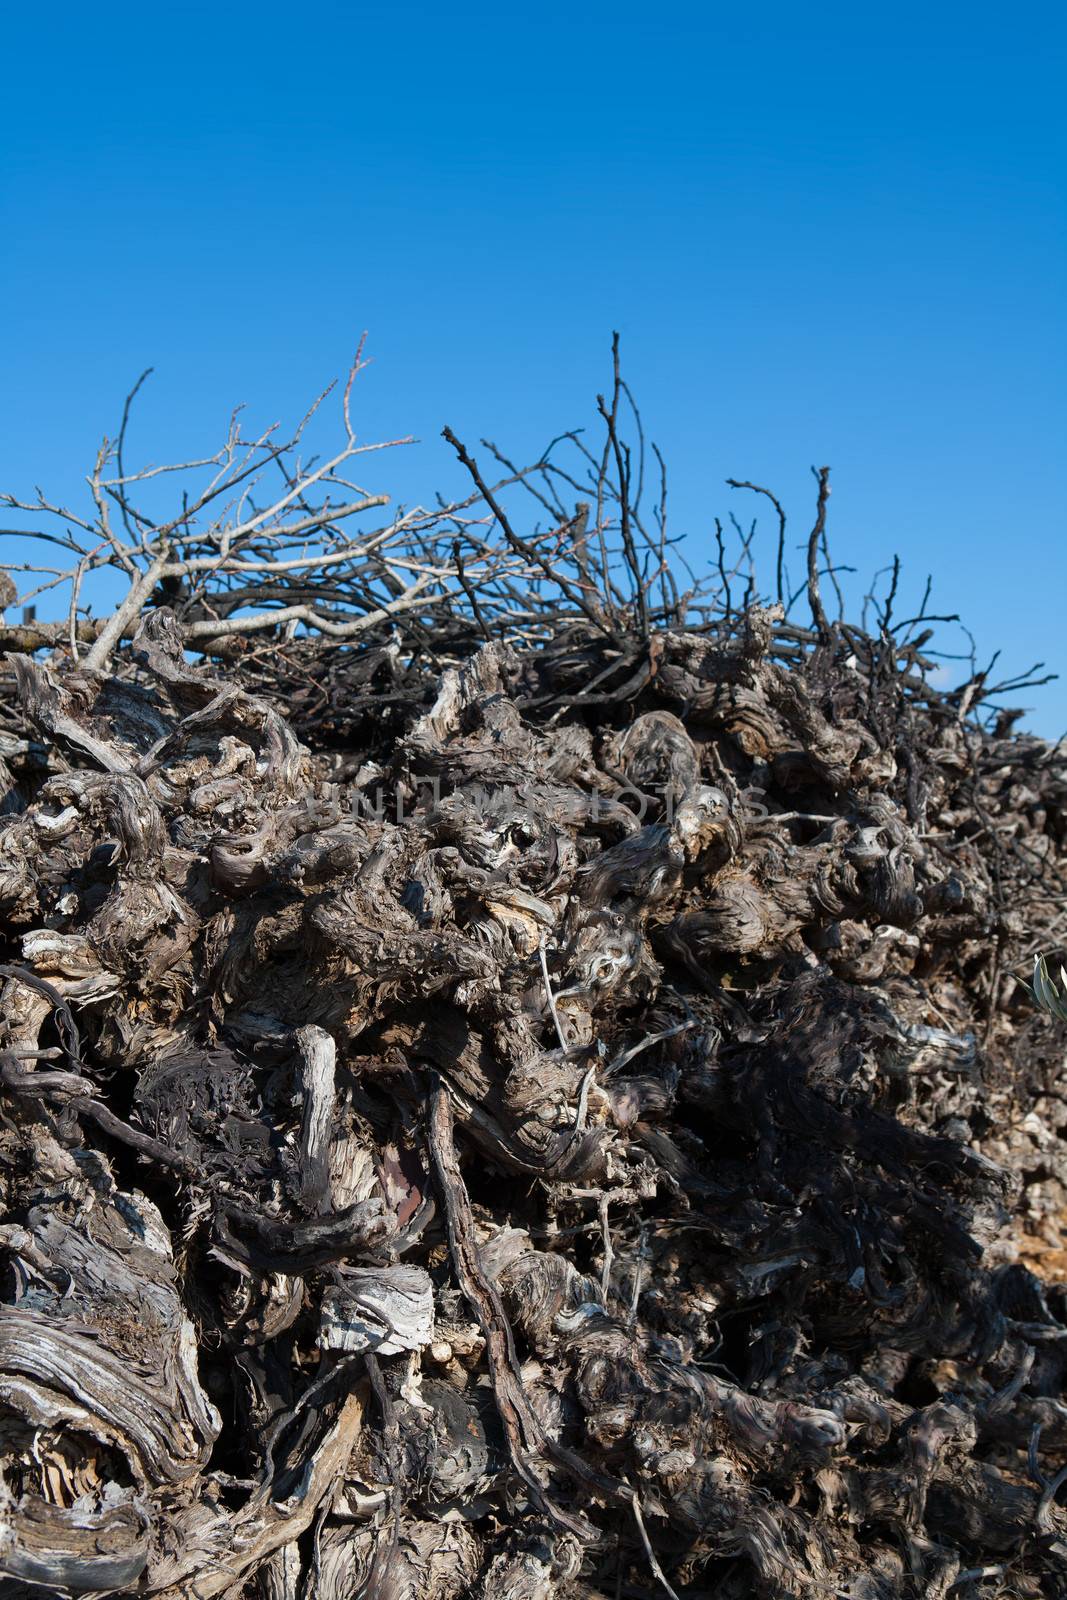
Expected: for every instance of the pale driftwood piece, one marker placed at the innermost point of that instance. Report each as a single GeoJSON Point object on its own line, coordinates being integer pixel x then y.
{"type": "Point", "coordinates": [317, 1056]}
{"type": "Point", "coordinates": [381, 1309]}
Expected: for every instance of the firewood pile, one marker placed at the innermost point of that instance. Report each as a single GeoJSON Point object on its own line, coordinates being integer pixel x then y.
{"type": "Point", "coordinates": [557, 1118]}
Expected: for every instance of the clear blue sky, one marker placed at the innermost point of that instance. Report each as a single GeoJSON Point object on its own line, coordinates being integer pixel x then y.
{"type": "Point", "coordinates": [827, 233]}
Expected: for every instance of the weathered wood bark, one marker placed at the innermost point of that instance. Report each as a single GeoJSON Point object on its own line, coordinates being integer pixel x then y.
{"type": "Point", "coordinates": [573, 1143]}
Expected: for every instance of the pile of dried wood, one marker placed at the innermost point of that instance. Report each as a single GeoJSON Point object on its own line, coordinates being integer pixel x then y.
{"type": "Point", "coordinates": [563, 1129]}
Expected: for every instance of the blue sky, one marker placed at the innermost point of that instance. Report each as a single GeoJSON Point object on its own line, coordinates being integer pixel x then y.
{"type": "Point", "coordinates": [826, 234]}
